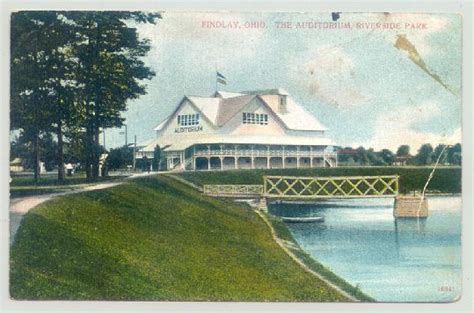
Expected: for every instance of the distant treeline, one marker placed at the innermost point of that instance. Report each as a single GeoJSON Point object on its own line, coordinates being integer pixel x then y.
{"type": "Point", "coordinates": [426, 155]}
{"type": "Point", "coordinates": [445, 179]}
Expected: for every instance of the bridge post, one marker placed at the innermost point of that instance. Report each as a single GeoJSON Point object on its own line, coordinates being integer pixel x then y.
{"type": "Point", "coordinates": [410, 206]}
{"type": "Point", "coordinates": [263, 204]}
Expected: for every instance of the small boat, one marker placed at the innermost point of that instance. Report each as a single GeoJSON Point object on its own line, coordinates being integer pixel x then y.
{"type": "Point", "coordinates": [309, 219]}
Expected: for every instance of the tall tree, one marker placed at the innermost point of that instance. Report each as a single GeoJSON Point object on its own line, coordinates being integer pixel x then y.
{"type": "Point", "coordinates": [403, 150]}
{"type": "Point", "coordinates": [387, 156]}
{"type": "Point", "coordinates": [43, 70]}
{"type": "Point", "coordinates": [425, 154]}
{"type": "Point", "coordinates": [156, 157]}
{"type": "Point", "coordinates": [362, 157]}
{"type": "Point", "coordinates": [30, 109]}
{"type": "Point", "coordinates": [455, 154]}
{"type": "Point", "coordinates": [111, 71]}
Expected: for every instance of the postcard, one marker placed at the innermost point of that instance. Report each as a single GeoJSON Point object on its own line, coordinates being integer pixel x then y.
{"type": "Point", "coordinates": [235, 156]}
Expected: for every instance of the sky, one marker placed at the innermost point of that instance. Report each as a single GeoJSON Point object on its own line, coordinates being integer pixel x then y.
{"type": "Point", "coordinates": [351, 75]}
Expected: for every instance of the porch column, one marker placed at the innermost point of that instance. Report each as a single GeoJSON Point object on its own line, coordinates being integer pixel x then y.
{"type": "Point", "coordinates": [283, 157]}
{"type": "Point", "coordinates": [194, 163]}
{"type": "Point", "coordinates": [297, 156]}
{"type": "Point", "coordinates": [222, 162]}
{"type": "Point", "coordinates": [253, 162]}
{"type": "Point", "coordinates": [311, 156]}
{"type": "Point", "coordinates": [268, 162]}
{"type": "Point", "coordinates": [209, 163]}
{"type": "Point", "coordinates": [235, 162]}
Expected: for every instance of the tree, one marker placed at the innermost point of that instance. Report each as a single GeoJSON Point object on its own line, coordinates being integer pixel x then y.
{"type": "Point", "coordinates": [43, 77]}
{"type": "Point", "coordinates": [437, 152]}
{"type": "Point", "coordinates": [75, 67]}
{"type": "Point", "coordinates": [30, 108]}
{"type": "Point", "coordinates": [120, 157]}
{"type": "Point", "coordinates": [156, 157]}
{"type": "Point", "coordinates": [403, 150]}
{"type": "Point", "coordinates": [455, 154]}
{"type": "Point", "coordinates": [425, 154]}
{"type": "Point", "coordinates": [21, 147]}
{"type": "Point", "coordinates": [111, 71]}
{"type": "Point", "coordinates": [361, 156]}
{"type": "Point", "coordinates": [387, 156]}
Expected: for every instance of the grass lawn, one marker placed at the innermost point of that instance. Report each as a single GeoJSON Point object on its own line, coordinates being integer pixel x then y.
{"type": "Point", "coordinates": [22, 186]}
{"type": "Point", "coordinates": [153, 239]}
{"type": "Point", "coordinates": [445, 179]}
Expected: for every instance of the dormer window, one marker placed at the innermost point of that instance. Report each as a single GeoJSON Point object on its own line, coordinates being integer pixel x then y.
{"type": "Point", "coordinates": [254, 118]}
{"type": "Point", "coordinates": [188, 119]}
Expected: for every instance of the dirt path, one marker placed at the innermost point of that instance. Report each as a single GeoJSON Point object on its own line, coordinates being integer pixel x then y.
{"type": "Point", "coordinates": [21, 206]}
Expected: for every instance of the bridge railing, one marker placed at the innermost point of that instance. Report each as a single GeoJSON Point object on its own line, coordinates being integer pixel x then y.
{"type": "Point", "coordinates": [330, 187]}
{"type": "Point", "coordinates": [233, 190]}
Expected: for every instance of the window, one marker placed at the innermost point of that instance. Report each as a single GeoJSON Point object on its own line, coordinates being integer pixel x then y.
{"type": "Point", "coordinates": [254, 118]}
{"type": "Point", "coordinates": [188, 119]}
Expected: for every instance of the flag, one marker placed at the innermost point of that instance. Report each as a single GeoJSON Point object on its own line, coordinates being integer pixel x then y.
{"type": "Point", "coordinates": [221, 78]}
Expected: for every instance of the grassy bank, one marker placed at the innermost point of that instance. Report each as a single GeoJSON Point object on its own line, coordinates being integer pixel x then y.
{"type": "Point", "coordinates": [22, 186]}
{"type": "Point", "coordinates": [153, 239]}
{"type": "Point", "coordinates": [284, 233]}
{"type": "Point", "coordinates": [445, 179]}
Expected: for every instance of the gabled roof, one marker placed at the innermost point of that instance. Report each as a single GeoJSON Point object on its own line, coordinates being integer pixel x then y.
{"type": "Point", "coordinates": [226, 94]}
{"type": "Point", "coordinates": [208, 106]}
{"type": "Point", "coordinates": [225, 105]}
{"type": "Point", "coordinates": [231, 106]}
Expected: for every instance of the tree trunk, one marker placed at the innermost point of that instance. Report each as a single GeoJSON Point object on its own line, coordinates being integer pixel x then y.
{"type": "Point", "coordinates": [36, 158]}
{"type": "Point", "coordinates": [60, 152]}
{"type": "Point", "coordinates": [88, 151]}
{"type": "Point", "coordinates": [96, 155]}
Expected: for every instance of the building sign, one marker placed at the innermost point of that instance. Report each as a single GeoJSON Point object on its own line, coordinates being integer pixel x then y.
{"type": "Point", "coordinates": [189, 129]}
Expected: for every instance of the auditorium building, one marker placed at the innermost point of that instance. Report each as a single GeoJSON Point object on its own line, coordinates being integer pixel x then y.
{"type": "Point", "coordinates": [245, 130]}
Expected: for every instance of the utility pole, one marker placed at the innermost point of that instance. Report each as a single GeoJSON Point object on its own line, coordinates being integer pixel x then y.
{"type": "Point", "coordinates": [103, 136]}
{"type": "Point", "coordinates": [126, 136]}
{"type": "Point", "coordinates": [134, 151]}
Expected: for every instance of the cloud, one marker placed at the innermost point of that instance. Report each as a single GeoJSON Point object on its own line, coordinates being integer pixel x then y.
{"type": "Point", "coordinates": [189, 29]}
{"type": "Point", "coordinates": [329, 76]}
{"type": "Point", "coordinates": [397, 127]}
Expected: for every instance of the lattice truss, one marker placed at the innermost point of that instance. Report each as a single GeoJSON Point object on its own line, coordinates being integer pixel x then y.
{"type": "Point", "coordinates": [330, 187]}
{"type": "Point", "coordinates": [233, 189]}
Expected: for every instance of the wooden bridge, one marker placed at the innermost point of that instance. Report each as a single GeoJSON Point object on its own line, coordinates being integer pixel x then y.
{"type": "Point", "coordinates": [234, 191]}
{"type": "Point", "coordinates": [310, 188]}
{"type": "Point", "coordinates": [294, 187]}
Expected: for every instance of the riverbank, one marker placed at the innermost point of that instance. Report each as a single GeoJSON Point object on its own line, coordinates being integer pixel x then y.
{"type": "Point", "coordinates": [287, 242]}
{"type": "Point", "coordinates": [154, 238]}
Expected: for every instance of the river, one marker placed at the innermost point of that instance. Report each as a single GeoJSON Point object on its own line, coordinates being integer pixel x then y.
{"type": "Point", "coordinates": [392, 260]}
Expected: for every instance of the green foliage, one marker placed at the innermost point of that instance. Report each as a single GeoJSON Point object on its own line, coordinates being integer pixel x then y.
{"type": "Point", "coordinates": [156, 157]}
{"type": "Point", "coordinates": [75, 69]}
{"type": "Point", "coordinates": [445, 179]}
{"type": "Point", "coordinates": [119, 158]}
{"type": "Point", "coordinates": [454, 154]}
{"type": "Point", "coordinates": [403, 150]}
{"type": "Point", "coordinates": [425, 155]}
{"type": "Point", "coordinates": [153, 239]}
{"type": "Point", "coordinates": [22, 147]}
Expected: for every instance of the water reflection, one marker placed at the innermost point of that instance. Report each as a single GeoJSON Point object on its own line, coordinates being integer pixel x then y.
{"type": "Point", "coordinates": [405, 259]}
